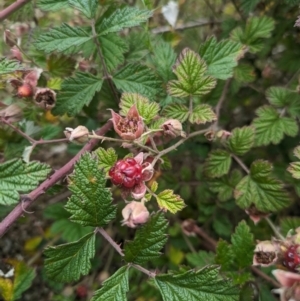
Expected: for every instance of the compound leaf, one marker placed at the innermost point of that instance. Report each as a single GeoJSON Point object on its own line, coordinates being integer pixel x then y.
{"type": "Point", "coordinates": [87, 7]}
{"type": "Point", "coordinates": [201, 114]}
{"type": "Point", "coordinates": [217, 164]}
{"type": "Point", "coordinates": [176, 111]}
{"type": "Point", "coordinates": [167, 200]}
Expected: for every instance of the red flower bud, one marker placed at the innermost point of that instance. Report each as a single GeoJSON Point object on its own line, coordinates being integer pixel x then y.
{"type": "Point", "coordinates": [25, 90]}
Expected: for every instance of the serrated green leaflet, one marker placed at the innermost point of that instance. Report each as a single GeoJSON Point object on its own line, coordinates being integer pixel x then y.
{"type": "Point", "coordinates": [221, 57]}
{"type": "Point", "coordinates": [224, 255]}
{"type": "Point", "coordinates": [190, 70]}
{"type": "Point", "coordinates": [9, 66]}
{"type": "Point", "coordinates": [148, 110]}
{"type": "Point", "coordinates": [217, 164]}
{"type": "Point", "coordinates": [270, 127]}
{"type": "Point", "coordinates": [148, 241]}
{"type": "Point", "coordinates": [241, 140]}
{"type": "Point", "coordinates": [106, 157]}
{"type": "Point", "coordinates": [90, 203]}
{"type": "Point", "coordinates": [167, 200]}
{"type": "Point", "coordinates": [76, 92]}
{"type": "Point", "coordinates": [87, 7]}
{"type": "Point", "coordinates": [200, 259]}
{"type": "Point", "coordinates": [176, 111]}
{"type": "Point", "coordinates": [244, 73]}
{"type": "Point", "coordinates": [248, 5]}
{"type": "Point", "coordinates": [52, 5]}
{"type": "Point", "coordinates": [136, 78]}
{"type": "Point", "coordinates": [289, 223]}
{"type": "Point", "coordinates": [60, 65]}
{"type": "Point", "coordinates": [62, 38]}
{"type": "Point", "coordinates": [261, 189]}
{"type": "Point", "coordinates": [294, 169]}
{"type": "Point", "coordinates": [201, 285]}
{"type": "Point", "coordinates": [115, 287]}
{"type": "Point", "coordinates": [201, 114]}
{"type": "Point", "coordinates": [242, 245]}
{"type": "Point", "coordinates": [67, 262]}
{"type": "Point", "coordinates": [16, 176]}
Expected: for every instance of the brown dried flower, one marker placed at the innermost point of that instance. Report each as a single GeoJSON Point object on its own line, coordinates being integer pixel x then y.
{"type": "Point", "coordinates": [45, 98]}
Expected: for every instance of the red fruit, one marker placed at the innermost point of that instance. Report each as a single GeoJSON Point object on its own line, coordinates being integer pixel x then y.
{"type": "Point", "coordinates": [292, 258]}
{"type": "Point", "coordinates": [25, 91]}
{"type": "Point", "coordinates": [81, 291]}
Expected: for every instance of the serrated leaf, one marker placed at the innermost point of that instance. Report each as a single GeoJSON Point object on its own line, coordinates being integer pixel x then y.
{"type": "Point", "coordinates": [87, 7]}
{"type": "Point", "coordinates": [176, 111]}
{"type": "Point", "coordinates": [217, 164]}
{"type": "Point", "coordinates": [201, 114]}
{"type": "Point", "coordinates": [243, 245]}
{"type": "Point", "coordinates": [294, 169]}
{"type": "Point", "coordinates": [204, 284]}
{"type": "Point", "coordinates": [148, 241]}
{"type": "Point", "coordinates": [222, 226]}
{"type": "Point", "coordinates": [241, 140]}
{"type": "Point", "coordinates": [261, 189]}
{"type": "Point", "coordinates": [167, 200]}
{"type": "Point", "coordinates": [62, 38]}
{"type": "Point", "coordinates": [148, 110]}
{"type": "Point", "coordinates": [221, 57]}
{"type": "Point", "coordinates": [289, 223]}
{"type": "Point", "coordinates": [60, 65]}
{"type": "Point", "coordinates": [107, 158]}
{"type": "Point", "coordinates": [9, 66]}
{"type": "Point", "coordinates": [76, 92]}
{"type": "Point", "coordinates": [200, 259]}
{"type": "Point", "coordinates": [244, 73]}
{"type": "Point", "coordinates": [67, 262]}
{"type": "Point", "coordinates": [90, 203]}
{"type": "Point", "coordinates": [248, 5]}
{"type": "Point", "coordinates": [190, 70]}
{"type": "Point", "coordinates": [16, 176]}
{"type": "Point", "coordinates": [123, 18]}
{"type": "Point", "coordinates": [270, 127]}
{"type": "Point", "coordinates": [136, 78]}
{"type": "Point", "coordinates": [224, 255]}
{"type": "Point", "coordinates": [115, 287]}
{"type": "Point", "coordinates": [52, 5]}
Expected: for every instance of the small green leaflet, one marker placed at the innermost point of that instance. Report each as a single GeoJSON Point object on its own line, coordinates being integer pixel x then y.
{"type": "Point", "coordinates": [123, 18]}
{"type": "Point", "coordinates": [176, 111]}
{"type": "Point", "coordinates": [190, 70]}
{"type": "Point", "coordinates": [67, 262]}
{"type": "Point", "coordinates": [294, 167]}
{"type": "Point", "coordinates": [148, 110]}
{"type": "Point", "coordinates": [148, 241]}
{"type": "Point", "coordinates": [248, 5]}
{"type": "Point", "coordinates": [90, 203]}
{"type": "Point", "coordinates": [201, 114]}
{"type": "Point", "coordinates": [76, 92]}
{"type": "Point", "coordinates": [16, 176]}
{"type": "Point", "coordinates": [270, 127]}
{"type": "Point", "coordinates": [52, 5]}
{"type": "Point", "coordinates": [167, 200]}
{"type": "Point", "coordinates": [289, 223]}
{"type": "Point", "coordinates": [224, 255]}
{"type": "Point", "coordinates": [241, 140]}
{"type": "Point", "coordinates": [87, 7]}
{"type": "Point", "coordinates": [221, 57]}
{"type": "Point", "coordinates": [244, 73]}
{"type": "Point", "coordinates": [60, 65]}
{"type": "Point", "coordinates": [200, 259]}
{"type": "Point", "coordinates": [106, 157]}
{"type": "Point", "coordinates": [9, 66]}
{"type": "Point", "coordinates": [201, 285]}
{"type": "Point", "coordinates": [62, 38]}
{"type": "Point", "coordinates": [217, 164]}
{"type": "Point", "coordinates": [261, 189]}
{"type": "Point", "coordinates": [115, 287]}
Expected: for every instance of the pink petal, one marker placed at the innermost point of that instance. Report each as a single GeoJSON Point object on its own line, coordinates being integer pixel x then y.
{"type": "Point", "coordinates": [286, 279]}
{"type": "Point", "coordinates": [127, 136]}
{"type": "Point", "coordinates": [139, 158]}
{"type": "Point", "coordinates": [115, 119]}
{"type": "Point", "coordinates": [140, 129]}
{"type": "Point", "coordinates": [138, 191]}
{"type": "Point", "coordinates": [148, 171]}
{"type": "Point", "coordinates": [133, 112]}
{"type": "Point", "coordinates": [32, 77]}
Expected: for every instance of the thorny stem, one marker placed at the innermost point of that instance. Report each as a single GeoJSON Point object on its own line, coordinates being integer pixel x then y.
{"type": "Point", "coordinates": [6, 12]}
{"type": "Point", "coordinates": [152, 142]}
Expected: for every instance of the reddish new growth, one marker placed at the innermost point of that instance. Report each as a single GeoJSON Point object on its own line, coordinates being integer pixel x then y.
{"type": "Point", "coordinates": [292, 258]}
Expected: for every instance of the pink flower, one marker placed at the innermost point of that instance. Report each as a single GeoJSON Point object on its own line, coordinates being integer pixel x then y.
{"type": "Point", "coordinates": [129, 127]}
{"type": "Point", "coordinates": [134, 214]}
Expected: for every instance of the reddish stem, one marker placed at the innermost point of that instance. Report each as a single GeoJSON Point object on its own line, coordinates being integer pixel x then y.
{"type": "Point", "coordinates": [27, 200]}
{"type": "Point", "coordinates": [6, 12]}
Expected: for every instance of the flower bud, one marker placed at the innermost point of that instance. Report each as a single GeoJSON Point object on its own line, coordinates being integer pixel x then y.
{"type": "Point", "coordinates": [45, 98]}
{"type": "Point", "coordinates": [134, 214]}
{"type": "Point", "coordinates": [12, 113]}
{"type": "Point", "coordinates": [9, 38]}
{"type": "Point", "coordinates": [16, 53]}
{"type": "Point", "coordinates": [173, 127]}
{"type": "Point", "coordinates": [79, 134]}
{"type": "Point", "coordinates": [25, 90]}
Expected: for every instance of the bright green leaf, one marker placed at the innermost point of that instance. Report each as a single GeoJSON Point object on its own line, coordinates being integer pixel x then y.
{"type": "Point", "coordinates": [52, 5]}
{"type": "Point", "coordinates": [176, 111]}
{"type": "Point", "coordinates": [67, 262]}
{"type": "Point", "coordinates": [9, 66]}
{"type": "Point", "coordinates": [148, 241]}
{"type": "Point", "coordinates": [217, 164]}
{"type": "Point", "coordinates": [190, 70]}
{"type": "Point", "coordinates": [167, 200]}
{"type": "Point", "coordinates": [201, 114]}
{"type": "Point", "coordinates": [106, 157]}
{"type": "Point", "coordinates": [87, 7]}
{"type": "Point", "coordinates": [90, 203]}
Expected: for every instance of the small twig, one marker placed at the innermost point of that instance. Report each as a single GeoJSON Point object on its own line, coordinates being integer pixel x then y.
{"type": "Point", "coordinates": [6, 12]}
{"type": "Point", "coordinates": [145, 271]}
{"type": "Point", "coordinates": [240, 163]}
{"type": "Point", "coordinates": [152, 141]}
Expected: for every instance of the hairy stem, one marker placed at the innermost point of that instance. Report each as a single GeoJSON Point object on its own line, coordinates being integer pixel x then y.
{"type": "Point", "coordinates": [6, 12]}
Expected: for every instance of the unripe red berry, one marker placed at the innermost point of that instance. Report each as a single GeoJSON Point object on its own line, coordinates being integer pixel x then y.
{"type": "Point", "coordinates": [292, 258]}
{"type": "Point", "coordinates": [25, 91]}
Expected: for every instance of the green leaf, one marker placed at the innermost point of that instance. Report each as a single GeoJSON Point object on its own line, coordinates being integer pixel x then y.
{"type": "Point", "coordinates": [244, 73]}
{"type": "Point", "coordinates": [107, 158]}
{"type": "Point", "coordinates": [67, 262]}
{"type": "Point", "coordinates": [16, 176]}
{"type": "Point", "coordinates": [190, 70]}
{"type": "Point", "coordinates": [200, 259]}
{"type": "Point", "coordinates": [201, 114]}
{"type": "Point", "coordinates": [123, 18]}
{"type": "Point", "coordinates": [222, 226]}
{"type": "Point", "coordinates": [261, 189]}
{"type": "Point", "coordinates": [62, 38]}
{"type": "Point", "coordinates": [115, 287]}
{"type": "Point", "coordinates": [60, 65]}
{"type": "Point", "coordinates": [52, 5]}
{"type": "Point", "coordinates": [294, 169]}
{"type": "Point", "coordinates": [289, 223]}
{"type": "Point", "coordinates": [148, 241]}
{"type": "Point", "coordinates": [248, 5]}
{"type": "Point", "coordinates": [90, 203]}
{"type": "Point", "coordinates": [224, 255]}
{"type": "Point", "coordinates": [176, 111]}
{"type": "Point", "coordinates": [76, 92]}
{"type": "Point", "coordinates": [9, 66]}
{"type": "Point", "coordinates": [167, 200]}
{"type": "Point", "coordinates": [137, 79]}
{"type": "Point", "coordinates": [204, 284]}
{"type": "Point", "coordinates": [270, 127]}
{"type": "Point", "coordinates": [221, 57]}
{"type": "Point", "coordinates": [242, 245]}
{"type": "Point", "coordinates": [87, 7]}
{"type": "Point", "coordinates": [241, 140]}
{"type": "Point", "coordinates": [148, 110]}
{"type": "Point", "coordinates": [217, 164]}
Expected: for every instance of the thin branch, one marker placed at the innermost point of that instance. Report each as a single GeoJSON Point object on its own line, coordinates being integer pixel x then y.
{"type": "Point", "coordinates": [6, 12]}
{"type": "Point", "coordinates": [145, 271]}
{"type": "Point", "coordinates": [240, 163]}
{"type": "Point", "coordinates": [274, 228]}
